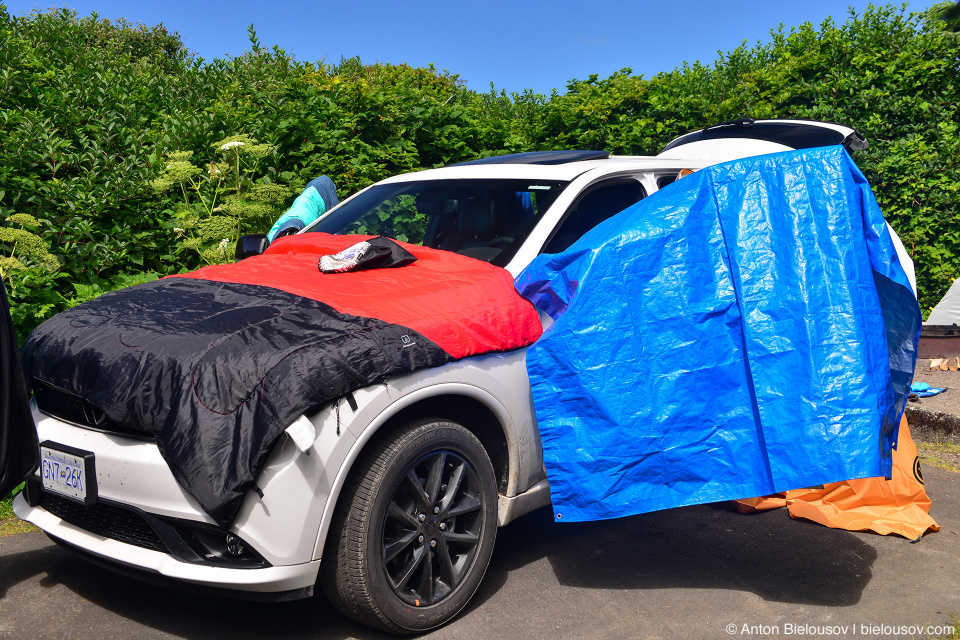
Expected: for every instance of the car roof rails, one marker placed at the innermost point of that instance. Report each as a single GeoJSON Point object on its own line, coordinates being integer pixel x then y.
{"type": "Point", "coordinates": [539, 157]}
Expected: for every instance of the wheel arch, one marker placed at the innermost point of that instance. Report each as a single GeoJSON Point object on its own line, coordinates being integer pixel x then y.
{"type": "Point", "coordinates": [469, 412]}
{"type": "Point", "coordinates": [472, 407]}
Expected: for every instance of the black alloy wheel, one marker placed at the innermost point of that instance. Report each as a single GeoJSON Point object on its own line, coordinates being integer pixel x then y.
{"type": "Point", "coordinates": [414, 529]}
{"type": "Point", "coordinates": [432, 530]}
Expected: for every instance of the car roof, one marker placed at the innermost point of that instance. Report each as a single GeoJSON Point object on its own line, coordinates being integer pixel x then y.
{"type": "Point", "coordinates": [717, 143]}
{"type": "Point", "coordinates": [541, 157]}
{"type": "Point", "coordinates": [561, 172]}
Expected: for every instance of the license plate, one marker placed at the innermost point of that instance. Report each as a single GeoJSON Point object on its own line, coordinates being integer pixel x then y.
{"type": "Point", "coordinates": [68, 472]}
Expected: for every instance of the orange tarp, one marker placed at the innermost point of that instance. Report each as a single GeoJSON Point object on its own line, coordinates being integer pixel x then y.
{"type": "Point", "coordinates": [899, 505]}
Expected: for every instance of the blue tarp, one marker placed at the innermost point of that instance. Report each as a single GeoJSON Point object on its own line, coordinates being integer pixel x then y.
{"type": "Point", "coordinates": [746, 330]}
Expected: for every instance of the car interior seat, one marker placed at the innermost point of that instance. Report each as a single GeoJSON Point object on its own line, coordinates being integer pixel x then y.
{"type": "Point", "coordinates": [478, 224]}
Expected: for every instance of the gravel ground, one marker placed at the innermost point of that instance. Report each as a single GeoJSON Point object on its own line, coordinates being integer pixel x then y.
{"type": "Point", "coordinates": [935, 421]}
{"type": "Point", "coordinates": [937, 418]}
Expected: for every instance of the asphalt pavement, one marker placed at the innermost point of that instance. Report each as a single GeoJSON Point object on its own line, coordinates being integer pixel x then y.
{"type": "Point", "coordinates": [695, 572]}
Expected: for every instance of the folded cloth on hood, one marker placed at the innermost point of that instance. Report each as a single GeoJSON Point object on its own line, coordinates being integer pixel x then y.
{"type": "Point", "coordinates": [377, 253]}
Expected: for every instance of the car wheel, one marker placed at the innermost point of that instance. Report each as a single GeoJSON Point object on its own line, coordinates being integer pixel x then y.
{"type": "Point", "coordinates": [414, 529]}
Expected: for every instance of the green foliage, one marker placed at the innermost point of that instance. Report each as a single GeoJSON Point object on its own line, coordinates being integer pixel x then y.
{"type": "Point", "coordinates": [107, 127]}
{"type": "Point", "coordinates": [80, 102]}
{"type": "Point", "coordinates": [85, 292]}
{"type": "Point", "coordinates": [891, 75]}
{"type": "Point", "coordinates": [6, 504]}
{"type": "Point", "coordinates": [409, 225]}
{"type": "Point", "coordinates": [951, 15]}
{"type": "Point", "coordinates": [227, 201]}
{"type": "Point", "coordinates": [29, 268]}
{"type": "Point", "coordinates": [24, 249]}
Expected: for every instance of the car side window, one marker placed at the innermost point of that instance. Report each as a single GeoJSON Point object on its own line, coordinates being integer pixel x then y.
{"type": "Point", "coordinates": [591, 209]}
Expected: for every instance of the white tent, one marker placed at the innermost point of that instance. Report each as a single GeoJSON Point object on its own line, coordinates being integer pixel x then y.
{"type": "Point", "coordinates": [947, 311]}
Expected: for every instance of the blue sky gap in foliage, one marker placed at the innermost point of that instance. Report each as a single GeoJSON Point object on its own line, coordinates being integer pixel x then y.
{"type": "Point", "coordinates": [516, 44]}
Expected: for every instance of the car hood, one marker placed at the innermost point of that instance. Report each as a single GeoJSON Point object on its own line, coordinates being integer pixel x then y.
{"type": "Point", "coordinates": [215, 364]}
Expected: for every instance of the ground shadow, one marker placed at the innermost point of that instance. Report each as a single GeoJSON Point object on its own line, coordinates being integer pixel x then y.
{"type": "Point", "coordinates": [704, 547]}
{"type": "Point", "coordinates": [18, 567]}
{"type": "Point", "coordinates": [200, 617]}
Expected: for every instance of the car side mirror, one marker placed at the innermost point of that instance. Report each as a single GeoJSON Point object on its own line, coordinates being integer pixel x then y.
{"type": "Point", "coordinates": [252, 245]}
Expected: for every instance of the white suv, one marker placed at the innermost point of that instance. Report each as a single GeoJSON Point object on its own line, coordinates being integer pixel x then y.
{"type": "Point", "coordinates": [394, 505]}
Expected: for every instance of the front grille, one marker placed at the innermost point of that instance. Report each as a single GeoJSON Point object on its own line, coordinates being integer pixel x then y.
{"type": "Point", "coordinates": [75, 409]}
{"type": "Point", "coordinates": [104, 519]}
{"type": "Point", "coordinates": [59, 403]}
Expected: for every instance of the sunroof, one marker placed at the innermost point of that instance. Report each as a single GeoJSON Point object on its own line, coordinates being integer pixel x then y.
{"type": "Point", "coordinates": [540, 157]}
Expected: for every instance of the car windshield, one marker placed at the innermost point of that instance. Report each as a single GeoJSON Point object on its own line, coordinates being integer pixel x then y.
{"type": "Point", "coordinates": [483, 219]}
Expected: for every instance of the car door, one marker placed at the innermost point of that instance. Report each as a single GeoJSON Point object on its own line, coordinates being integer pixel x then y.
{"type": "Point", "coordinates": [19, 450]}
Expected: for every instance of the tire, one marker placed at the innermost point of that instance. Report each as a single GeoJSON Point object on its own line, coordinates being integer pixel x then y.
{"type": "Point", "coordinates": [431, 481]}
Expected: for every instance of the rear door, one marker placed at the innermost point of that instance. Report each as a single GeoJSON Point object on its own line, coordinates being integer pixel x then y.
{"type": "Point", "coordinates": [19, 451]}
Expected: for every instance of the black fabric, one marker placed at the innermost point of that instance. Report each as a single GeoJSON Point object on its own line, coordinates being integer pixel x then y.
{"type": "Point", "coordinates": [376, 253]}
{"type": "Point", "coordinates": [19, 451]}
{"type": "Point", "coordinates": [216, 371]}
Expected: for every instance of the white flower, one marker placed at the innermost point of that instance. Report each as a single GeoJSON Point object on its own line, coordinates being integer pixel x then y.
{"type": "Point", "coordinates": [224, 244]}
{"type": "Point", "coordinates": [178, 231]}
{"type": "Point", "coordinates": [231, 145]}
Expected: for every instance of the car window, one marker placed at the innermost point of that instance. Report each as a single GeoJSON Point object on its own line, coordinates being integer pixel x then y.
{"type": "Point", "coordinates": [663, 181]}
{"type": "Point", "coordinates": [483, 219]}
{"type": "Point", "coordinates": [396, 217]}
{"type": "Point", "coordinates": [591, 209]}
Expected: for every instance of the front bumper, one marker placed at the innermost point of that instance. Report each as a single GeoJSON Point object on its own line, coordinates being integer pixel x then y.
{"type": "Point", "coordinates": [137, 488]}
{"type": "Point", "coordinates": [297, 578]}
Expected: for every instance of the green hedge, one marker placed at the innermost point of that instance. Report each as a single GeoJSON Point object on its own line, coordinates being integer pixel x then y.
{"type": "Point", "coordinates": [89, 109]}
{"type": "Point", "coordinates": [892, 75]}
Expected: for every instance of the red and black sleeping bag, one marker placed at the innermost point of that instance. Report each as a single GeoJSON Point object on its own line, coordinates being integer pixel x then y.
{"type": "Point", "coordinates": [216, 364]}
